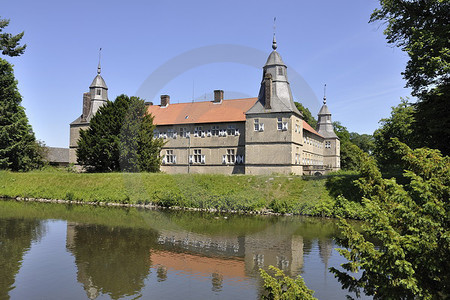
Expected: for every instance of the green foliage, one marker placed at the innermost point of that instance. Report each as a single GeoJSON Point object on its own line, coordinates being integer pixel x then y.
{"type": "Point", "coordinates": [307, 116]}
{"type": "Point", "coordinates": [421, 29]}
{"type": "Point", "coordinates": [19, 150]}
{"type": "Point", "coordinates": [432, 115]}
{"type": "Point", "coordinates": [9, 44]}
{"type": "Point", "coordinates": [282, 287]}
{"type": "Point", "coordinates": [139, 151]}
{"type": "Point", "coordinates": [348, 155]}
{"type": "Point", "coordinates": [399, 125]}
{"type": "Point", "coordinates": [411, 225]}
{"type": "Point", "coordinates": [120, 135]}
{"type": "Point", "coordinates": [365, 142]}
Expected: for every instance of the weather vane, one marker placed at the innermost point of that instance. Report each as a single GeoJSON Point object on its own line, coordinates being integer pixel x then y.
{"type": "Point", "coordinates": [325, 94]}
{"type": "Point", "coordinates": [274, 43]}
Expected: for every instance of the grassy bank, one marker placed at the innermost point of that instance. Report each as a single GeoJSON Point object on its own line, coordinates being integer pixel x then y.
{"type": "Point", "coordinates": [280, 194]}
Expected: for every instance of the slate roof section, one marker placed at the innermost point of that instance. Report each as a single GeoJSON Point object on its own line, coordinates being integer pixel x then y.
{"type": "Point", "coordinates": [57, 155]}
{"type": "Point", "coordinates": [232, 110]}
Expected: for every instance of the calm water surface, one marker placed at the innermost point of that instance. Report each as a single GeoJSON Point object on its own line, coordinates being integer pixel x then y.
{"type": "Point", "coordinates": [54, 251]}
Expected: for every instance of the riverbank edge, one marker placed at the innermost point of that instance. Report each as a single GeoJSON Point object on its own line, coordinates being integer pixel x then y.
{"type": "Point", "coordinates": [152, 206]}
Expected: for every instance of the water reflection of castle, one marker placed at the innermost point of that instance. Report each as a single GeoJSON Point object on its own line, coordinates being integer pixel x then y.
{"type": "Point", "coordinates": [116, 261]}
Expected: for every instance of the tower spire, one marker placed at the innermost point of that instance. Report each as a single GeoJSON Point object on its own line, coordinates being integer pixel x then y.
{"type": "Point", "coordinates": [99, 68]}
{"type": "Point", "coordinates": [325, 94]}
{"type": "Point", "coordinates": [274, 41]}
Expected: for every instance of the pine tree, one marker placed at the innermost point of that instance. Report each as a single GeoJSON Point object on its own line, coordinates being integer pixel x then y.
{"type": "Point", "coordinates": [19, 150]}
{"type": "Point", "coordinates": [120, 138]}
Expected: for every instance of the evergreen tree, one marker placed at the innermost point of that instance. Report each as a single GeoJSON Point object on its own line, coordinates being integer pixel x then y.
{"type": "Point", "coordinates": [404, 247]}
{"type": "Point", "coordinates": [120, 137]}
{"type": "Point", "coordinates": [19, 150]}
{"type": "Point", "coordinates": [139, 151]}
{"type": "Point", "coordinates": [9, 44]}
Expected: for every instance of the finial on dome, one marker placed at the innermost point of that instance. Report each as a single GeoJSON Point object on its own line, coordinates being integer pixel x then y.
{"type": "Point", "coordinates": [325, 94]}
{"type": "Point", "coordinates": [99, 68]}
{"type": "Point", "coordinates": [274, 42]}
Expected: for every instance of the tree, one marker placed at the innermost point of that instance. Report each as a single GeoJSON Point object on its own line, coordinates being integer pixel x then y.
{"type": "Point", "coordinates": [9, 44]}
{"type": "Point", "coordinates": [399, 125]}
{"type": "Point", "coordinates": [282, 287]}
{"type": "Point", "coordinates": [119, 135]}
{"type": "Point", "coordinates": [19, 150]}
{"type": "Point", "coordinates": [139, 151]}
{"type": "Point", "coordinates": [307, 116]}
{"type": "Point", "coordinates": [348, 155]}
{"type": "Point", "coordinates": [365, 142]}
{"type": "Point", "coordinates": [408, 227]}
{"type": "Point", "coordinates": [421, 29]}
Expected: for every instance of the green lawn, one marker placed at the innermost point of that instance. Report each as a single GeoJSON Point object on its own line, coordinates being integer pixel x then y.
{"type": "Point", "coordinates": [278, 193]}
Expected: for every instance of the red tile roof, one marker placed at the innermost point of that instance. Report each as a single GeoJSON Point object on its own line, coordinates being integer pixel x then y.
{"type": "Point", "coordinates": [201, 112]}
{"type": "Point", "coordinates": [308, 127]}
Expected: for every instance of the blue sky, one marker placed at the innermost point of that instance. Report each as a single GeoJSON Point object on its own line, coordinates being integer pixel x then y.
{"type": "Point", "coordinates": [189, 48]}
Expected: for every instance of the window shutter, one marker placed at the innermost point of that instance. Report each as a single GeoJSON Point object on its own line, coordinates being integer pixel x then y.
{"type": "Point", "coordinates": [196, 133]}
{"type": "Point", "coordinates": [164, 160]}
{"type": "Point", "coordinates": [224, 159]}
{"type": "Point", "coordinates": [261, 127]}
{"type": "Point", "coordinates": [188, 134]}
{"type": "Point", "coordinates": [175, 135]}
{"type": "Point", "coordinates": [209, 133]}
{"type": "Point", "coordinates": [165, 135]}
{"type": "Point", "coordinates": [203, 159]}
{"type": "Point", "coordinates": [237, 132]}
{"type": "Point", "coordinates": [285, 126]}
{"type": "Point", "coordinates": [203, 134]}
{"type": "Point", "coordinates": [174, 159]}
{"type": "Point", "coordinates": [238, 159]}
{"type": "Point", "coordinates": [225, 133]}
{"type": "Point", "coordinates": [191, 159]}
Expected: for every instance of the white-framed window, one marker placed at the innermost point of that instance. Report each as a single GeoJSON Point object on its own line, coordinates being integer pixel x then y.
{"type": "Point", "coordinates": [258, 126]}
{"type": "Point", "coordinates": [231, 130]}
{"type": "Point", "coordinates": [170, 133]}
{"type": "Point", "coordinates": [155, 134]}
{"type": "Point", "coordinates": [231, 156]}
{"type": "Point", "coordinates": [99, 92]}
{"type": "Point", "coordinates": [327, 144]}
{"type": "Point", "coordinates": [197, 158]}
{"type": "Point", "coordinates": [215, 130]}
{"type": "Point", "coordinates": [256, 123]}
{"type": "Point", "coordinates": [183, 132]}
{"type": "Point", "coordinates": [280, 71]}
{"type": "Point", "coordinates": [170, 157]}
{"type": "Point", "coordinates": [198, 131]}
{"type": "Point", "coordinates": [279, 123]}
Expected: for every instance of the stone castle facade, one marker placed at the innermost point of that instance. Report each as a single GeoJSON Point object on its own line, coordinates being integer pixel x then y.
{"type": "Point", "coordinates": [262, 135]}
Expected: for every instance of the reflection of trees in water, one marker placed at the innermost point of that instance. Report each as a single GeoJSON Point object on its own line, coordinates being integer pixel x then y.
{"type": "Point", "coordinates": [16, 236]}
{"type": "Point", "coordinates": [161, 273]}
{"type": "Point", "coordinates": [217, 282]}
{"type": "Point", "coordinates": [111, 260]}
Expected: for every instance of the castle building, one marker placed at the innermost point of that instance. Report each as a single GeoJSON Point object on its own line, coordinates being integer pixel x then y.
{"type": "Point", "coordinates": [262, 135]}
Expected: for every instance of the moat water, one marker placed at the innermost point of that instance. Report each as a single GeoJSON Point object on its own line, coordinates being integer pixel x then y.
{"type": "Point", "coordinates": [55, 251]}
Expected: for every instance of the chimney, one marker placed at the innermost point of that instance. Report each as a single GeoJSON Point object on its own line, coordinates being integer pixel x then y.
{"type": "Point", "coordinates": [218, 96]}
{"type": "Point", "coordinates": [148, 103]}
{"type": "Point", "coordinates": [267, 90]}
{"type": "Point", "coordinates": [86, 106]}
{"type": "Point", "coordinates": [165, 100]}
